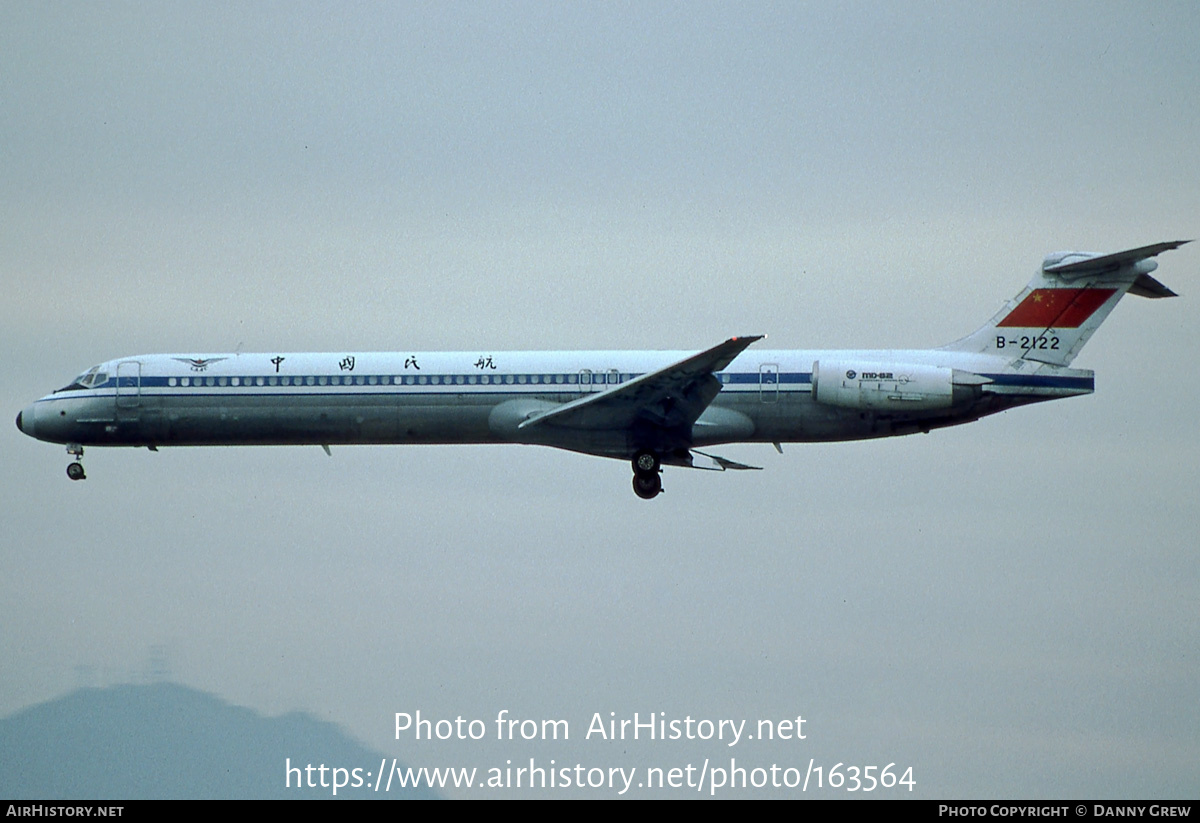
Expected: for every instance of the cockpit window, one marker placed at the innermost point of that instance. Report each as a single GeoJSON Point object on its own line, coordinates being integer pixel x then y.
{"type": "Point", "coordinates": [90, 378]}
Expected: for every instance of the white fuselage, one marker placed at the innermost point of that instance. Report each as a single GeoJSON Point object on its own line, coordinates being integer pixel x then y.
{"type": "Point", "coordinates": [654, 408]}
{"type": "Point", "coordinates": [473, 397]}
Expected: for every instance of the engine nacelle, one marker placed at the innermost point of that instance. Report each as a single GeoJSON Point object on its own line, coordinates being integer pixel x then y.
{"type": "Point", "coordinates": [891, 386]}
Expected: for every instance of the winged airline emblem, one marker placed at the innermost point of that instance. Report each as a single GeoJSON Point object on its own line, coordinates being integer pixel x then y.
{"type": "Point", "coordinates": [199, 364]}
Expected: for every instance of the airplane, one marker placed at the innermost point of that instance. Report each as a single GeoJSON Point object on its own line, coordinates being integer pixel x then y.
{"type": "Point", "coordinates": [653, 408]}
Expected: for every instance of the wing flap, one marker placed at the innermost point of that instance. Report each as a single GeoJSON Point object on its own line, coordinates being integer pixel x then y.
{"type": "Point", "coordinates": [696, 459]}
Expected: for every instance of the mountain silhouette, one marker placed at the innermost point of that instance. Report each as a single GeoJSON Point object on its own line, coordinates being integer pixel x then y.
{"type": "Point", "coordinates": [165, 740]}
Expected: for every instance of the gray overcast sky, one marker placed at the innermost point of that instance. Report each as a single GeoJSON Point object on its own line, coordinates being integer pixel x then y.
{"type": "Point", "coordinates": [1009, 607]}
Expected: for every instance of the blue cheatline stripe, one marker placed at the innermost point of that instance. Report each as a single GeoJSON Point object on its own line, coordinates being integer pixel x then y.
{"type": "Point", "coordinates": [390, 380]}
{"type": "Point", "coordinates": [387, 383]}
{"type": "Point", "coordinates": [746, 378]}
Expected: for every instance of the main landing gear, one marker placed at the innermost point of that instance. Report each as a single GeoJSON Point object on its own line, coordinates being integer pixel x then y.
{"type": "Point", "coordinates": [647, 481]}
{"type": "Point", "coordinates": [75, 470]}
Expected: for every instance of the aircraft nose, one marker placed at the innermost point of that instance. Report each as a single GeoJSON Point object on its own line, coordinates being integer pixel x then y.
{"type": "Point", "coordinates": [25, 421]}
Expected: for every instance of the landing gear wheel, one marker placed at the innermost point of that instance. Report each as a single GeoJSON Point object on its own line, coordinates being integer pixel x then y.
{"type": "Point", "coordinates": [75, 470]}
{"type": "Point", "coordinates": [645, 463]}
{"type": "Point", "coordinates": [647, 486]}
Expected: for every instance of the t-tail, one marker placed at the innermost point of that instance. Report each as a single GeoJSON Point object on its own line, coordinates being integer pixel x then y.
{"type": "Point", "coordinates": [1067, 300]}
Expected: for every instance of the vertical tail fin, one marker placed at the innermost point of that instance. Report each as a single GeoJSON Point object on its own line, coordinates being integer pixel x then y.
{"type": "Point", "coordinates": [1064, 304]}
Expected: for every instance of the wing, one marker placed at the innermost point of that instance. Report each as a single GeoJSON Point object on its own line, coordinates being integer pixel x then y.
{"type": "Point", "coordinates": [670, 398]}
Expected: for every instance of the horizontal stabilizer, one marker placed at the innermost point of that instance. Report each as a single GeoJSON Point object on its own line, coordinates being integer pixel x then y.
{"type": "Point", "coordinates": [1070, 267]}
{"type": "Point", "coordinates": [1147, 286]}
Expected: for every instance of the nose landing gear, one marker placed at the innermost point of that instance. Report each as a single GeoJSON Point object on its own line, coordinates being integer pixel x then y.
{"type": "Point", "coordinates": [647, 481]}
{"type": "Point", "coordinates": [75, 470]}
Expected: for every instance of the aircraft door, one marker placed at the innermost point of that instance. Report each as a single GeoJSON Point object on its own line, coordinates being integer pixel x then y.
{"type": "Point", "coordinates": [598, 381]}
{"type": "Point", "coordinates": [129, 389]}
{"type": "Point", "coordinates": [768, 382]}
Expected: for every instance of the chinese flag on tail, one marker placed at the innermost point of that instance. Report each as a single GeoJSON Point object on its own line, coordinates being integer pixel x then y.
{"type": "Point", "coordinates": [1057, 308]}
